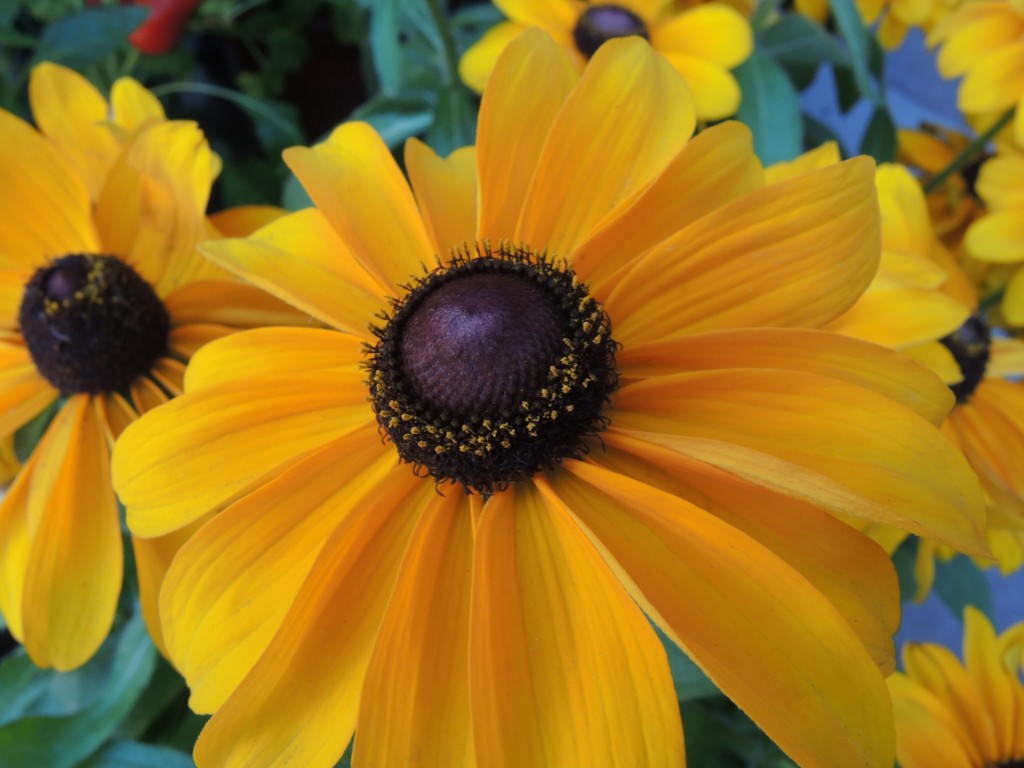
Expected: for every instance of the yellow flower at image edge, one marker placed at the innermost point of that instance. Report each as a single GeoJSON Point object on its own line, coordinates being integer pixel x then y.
{"type": "Point", "coordinates": [606, 402]}
{"type": "Point", "coordinates": [103, 300]}
{"type": "Point", "coordinates": [957, 714]}
{"type": "Point", "coordinates": [702, 43]}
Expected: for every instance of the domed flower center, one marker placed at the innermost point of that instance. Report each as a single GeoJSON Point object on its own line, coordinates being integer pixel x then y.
{"type": "Point", "coordinates": [970, 347]}
{"type": "Point", "coordinates": [92, 324]}
{"type": "Point", "coordinates": [601, 23]}
{"type": "Point", "coordinates": [492, 368]}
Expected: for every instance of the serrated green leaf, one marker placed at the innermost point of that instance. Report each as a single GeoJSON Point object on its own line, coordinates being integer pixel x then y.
{"type": "Point", "coordinates": [771, 108]}
{"type": "Point", "coordinates": [959, 583]}
{"type": "Point", "coordinates": [89, 36]}
{"type": "Point", "coordinates": [28, 435]}
{"type": "Point", "coordinates": [797, 40]}
{"type": "Point", "coordinates": [131, 754]}
{"type": "Point", "coordinates": [880, 137]}
{"type": "Point", "coordinates": [64, 741]}
{"type": "Point", "coordinates": [858, 44]}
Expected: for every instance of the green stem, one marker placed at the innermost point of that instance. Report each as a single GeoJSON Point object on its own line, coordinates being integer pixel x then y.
{"type": "Point", "coordinates": [991, 300]}
{"type": "Point", "coordinates": [968, 154]}
{"type": "Point", "coordinates": [451, 57]}
{"type": "Point", "coordinates": [761, 15]}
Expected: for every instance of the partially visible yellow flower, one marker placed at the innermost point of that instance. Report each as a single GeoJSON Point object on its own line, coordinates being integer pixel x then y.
{"type": "Point", "coordinates": [9, 463]}
{"type": "Point", "coordinates": [894, 17]}
{"type": "Point", "coordinates": [983, 42]}
{"type": "Point", "coordinates": [962, 715]}
{"type": "Point", "coordinates": [103, 299]}
{"type": "Point", "coordinates": [702, 42]}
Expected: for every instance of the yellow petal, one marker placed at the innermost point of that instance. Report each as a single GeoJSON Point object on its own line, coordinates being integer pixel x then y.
{"type": "Point", "coordinates": [546, 14]}
{"type": "Point", "coordinates": [997, 238]}
{"type": "Point", "coordinates": [758, 628]}
{"type": "Point", "coordinates": [901, 317]}
{"type": "Point", "coordinates": [72, 114]}
{"type": "Point", "coordinates": [132, 105]}
{"type": "Point", "coordinates": [713, 32]}
{"type": "Point", "coordinates": [233, 583]}
{"type": "Point", "coordinates": [906, 224]}
{"type": "Point", "coordinates": [478, 61]}
{"type": "Point", "coordinates": [928, 735]}
{"type": "Point", "coordinates": [627, 118]}
{"type": "Point", "coordinates": [12, 288]}
{"type": "Point", "coordinates": [244, 356]}
{"type": "Point", "coordinates": [820, 157]}
{"type": "Point", "coordinates": [937, 358]}
{"type": "Point", "coordinates": [995, 682]}
{"type": "Point", "coordinates": [995, 82]}
{"type": "Point", "coordinates": [414, 706]}
{"type": "Point", "coordinates": [356, 184]}
{"type": "Point", "coordinates": [23, 392]}
{"type": "Point", "coordinates": [1006, 358]}
{"type": "Point", "coordinates": [516, 114]}
{"type": "Point", "coordinates": [774, 349]}
{"type": "Point", "coordinates": [976, 39]}
{"type": "Point", "coordinates": [716, 167]}
{"type": "Point", "coordinates": [302, 261]}
{"type": "Point", "coordinates": [255, 429]}
{"type": "Point", "coordinates": [715, 92]}
{"type": "Point", "coordinates": [564, 668]}
{"type": "Point", "coordinates": [16, 534]}
{"type": "Point", "coordinates": [798, 253]}
{"type": "Point", "coordinates": [73, 577]}
{"type": "Point", "coordinates": [45, 205]}
{"type": "Point", "coordinates": [298, 705]}
{"type": "Point", "coordinates": [243, 220]}
{"type": "Point", "coordinates": [446, 192]}
{"type": "Point", "coordinates": [234, 304]}
{"type": "Point", "coordinates": [186, 340]}
{"type": "Point", "coordinates": [908, 473]}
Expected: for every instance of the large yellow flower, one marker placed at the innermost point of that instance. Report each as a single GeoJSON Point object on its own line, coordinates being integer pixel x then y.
{"type": "Point", "coordinates": [612, 405]}
{"type": "Point", "coordinates": [103, 299]}
{"type": "Point", "coordinates": [703, 42]}
{"type": "Point", "coordinates": [962, 715]}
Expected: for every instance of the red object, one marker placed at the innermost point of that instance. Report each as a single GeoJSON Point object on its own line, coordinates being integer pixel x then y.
{"type": "Point", "coordinates": [161, 31]}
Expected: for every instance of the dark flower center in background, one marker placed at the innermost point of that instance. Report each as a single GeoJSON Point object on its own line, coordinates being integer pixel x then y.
{"type": "Point", "coordinates": [92, 324]}
{"type": "Point", "coordinates": [1018, 763]}
{"type": "Point", "coordinates": [970, 347]}
{"type": "Point", "coordinates": [492, 368]}
{"type": "Point", "coordinates": [601, 23]}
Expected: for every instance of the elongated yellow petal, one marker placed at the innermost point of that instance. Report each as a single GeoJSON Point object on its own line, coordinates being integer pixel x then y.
{"type": "Point", "coordinates": [936, 738]}
{"type": "Point", "coordinates": [997, 238]}
{"type": "Point", "coordinates": [715, 92]}
{"type": "Point", "coordinates": [565, 669]}
{"type": "Point", "coordinates": [73, 574]}
{"type": "Point", "coordinates": [414, 707]}
{"type": "Point", "coordinates": [446, 191]}
{"type": "Point", "coordinates": [477, 63]}
{"type": "Point", "coordinates": [298, 705]}
{"type": "Point", "coordinates": [16, 532]}
{"type": "Point", "coordinates": [514, 113]}
{"type": "Point", "coordinates": [243, 220]}
{"type": "Point", "coordinates": [995, 82]}
{"type": "Point", "coordinates": [234, 304]}
{"type": "Point", "coordinates": [715, 32]}
{"type": "Point", "coordinates": [901, 317]}
{"type": "Point", "coordinates": [256, 428]}
{"type": "Point", "coordinates": [356, 184]}
{"type": "Point", "coordinates": [23, 392]}
{"type": "Point", "coordinates": [758, 628]}
{"type": "Point", "coordinates": [546, 14]}
{"type": "Point", "coordinates": [627, 118]}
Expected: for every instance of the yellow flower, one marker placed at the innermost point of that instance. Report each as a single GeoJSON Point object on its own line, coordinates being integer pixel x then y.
{"type": "Point", "coordinates": [103, 299]}
{"type": "Point", "coordinates": [894, 17]}
{"type": "Point", "coordinates": [962, 715]}
{"type": "Point", "coordinates": [612, 404]}
{"type": "Point", "coordinates": [703, 42]}
{"type": "Point", "coordinates": [983, 42]}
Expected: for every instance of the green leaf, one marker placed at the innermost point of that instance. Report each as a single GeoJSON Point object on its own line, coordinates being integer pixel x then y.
{"type": "Point", "coordinates": [454, 123]}
{"type": "Point", "coordinates": [858, 43]}
{"type": "Point", "coordinates": [385, 46]}
{"type": "Point", "coordinates": [293, 196]}
{"type": "Point", "coordinates": [959, 583]}
{"type": "Point", "coordinates": [904, 559]}
{"type": "Point", "coordinates": [817, 133]}
{"type": "Point", "coordinates": [398, 118]}
{"type": "Point", "coordinates": [846, 88]}
{"type": "Point", "coordinates": [690, 682]}
{"type": "Point", "coordinates": [28, 435]}
{"type": "Point", "coordinates": [771, 108]}
{"type": "Point", "coordinates": [64, 741]}
{"type": "Point", "coordinates": [89, 36]}
{"type": "Point", "coordinates": [880, 137]}
{"type": "Point", "coordinates": [470, 23]}
{"type": "Point", "coordinates": [131, 754]}
{"type": "Point", "coordinates": [797, 40]}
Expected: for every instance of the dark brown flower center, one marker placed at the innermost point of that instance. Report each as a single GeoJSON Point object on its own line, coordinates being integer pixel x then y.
{"type": "Point", "coordinates": [493, 367]}
{"type": "Point", "coordinates": [92, 324]}
{"type": "Point", "coordinates": [1012, 763]}
{"type": "Point", "coordinates": [970, 345]}
{"type": "Point", "coordinates": [601, 23]}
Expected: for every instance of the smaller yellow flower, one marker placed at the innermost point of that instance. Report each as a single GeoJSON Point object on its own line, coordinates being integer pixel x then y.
{"type": "Point", "coordinates": [894, 17]}
{"type": "Point", "coordinates": [962, 715]}
{"type": "Point", "coordinates": [702, 43]}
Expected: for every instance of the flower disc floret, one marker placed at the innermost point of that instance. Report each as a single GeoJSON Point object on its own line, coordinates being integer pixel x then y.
{"type": "Point", "coordinates": [601, 23]}
{"type": "Point", "coordinates": [970, 346]}
{"type": "Point", "coordinates": [491, 368]}
{"type": "Point", "coordinates": [92, 324]}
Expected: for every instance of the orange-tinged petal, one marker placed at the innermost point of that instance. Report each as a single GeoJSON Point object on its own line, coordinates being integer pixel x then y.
{"type": "Point", "coordinates": [234, 304]}
{"type": "Point", "coordinates": [298, 705]}
{"type": "Point", "coordinates": [773, 349]}
{"type": "Point", "coordinates": [910, 475]}
{"type": "Point", "coordinates": [73, 577]}
{"type": "Point", "coordinates": [72, 114]}
{"type": "Point", "coordinates": [819, 157]}
{"type": "Point", "coordinates": [255, 429]}
{"type": "Point", "coordinates": [12, 288]}
{"type": "Point", "coordinates": [627, 118]}
{"type": "Point", "coordinates": [564, 668]}
{"type": "Point", "coordinates": [16, 532]}
{"type": "Point", "coordinates": [516, 114]}
{"type": "Point", "coordinates": [414, 708]}
{"type": "Point", "coordinates": [23, 392]}
{"type": "Point", "coordinates": [186, 340]}
{"type": "Point", "coordinates": [146, 395]}
{"type": "Point", "coordinates": [243, 356]}
{"type": "Point", "coordinates": [44, 204]}
{"type": "Point", "coordinates": [235, 580]}
{"type": "Point", "coordinates": [714, 32]}
{"type": "Point", "coordinates": [446, 192]}
{"type": "Point", "coordinates": [756, 626]}
{"type": "Point", "coordinates": [301, 260]}
{"type": "Point", "coordinates": [478, 61]}
{"type": "Point", "coordinates": [169, 374]}
{"type": "Point", "coordinates": [716, 167]}
{"type": "Point", "coordinates": [995, 82]}
{"type": "Point", "coordinates": [900, 317]}
{"type": "Point", "coordinates": [132, 105]}
{"type": "Point", "coordinates": [243, 220]}
{"type": "Point", "coordinates": [356, 184]}
{"type": "Point", "coordinates": [798, 253]}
